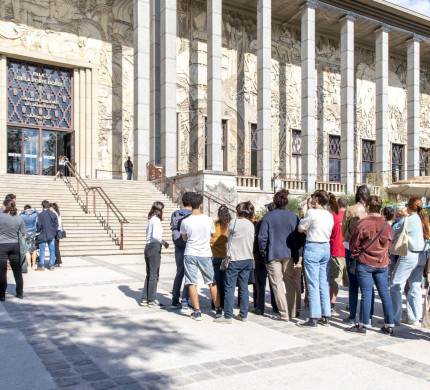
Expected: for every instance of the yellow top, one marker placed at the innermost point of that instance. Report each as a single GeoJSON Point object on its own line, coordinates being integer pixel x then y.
{"type": "Point", "coordinates": [219, 241]}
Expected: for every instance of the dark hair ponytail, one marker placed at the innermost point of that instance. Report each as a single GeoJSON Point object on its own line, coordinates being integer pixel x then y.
{"type": "Point", "coordinates": [332, 203]}
{"type": "Point", "coordinates": [224, 217]}
{"type": "Point", "coordinates": [10, 207]}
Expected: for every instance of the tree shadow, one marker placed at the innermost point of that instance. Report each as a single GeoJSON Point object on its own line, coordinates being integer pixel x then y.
{"type": "Point", "coordinates": [102, 342]}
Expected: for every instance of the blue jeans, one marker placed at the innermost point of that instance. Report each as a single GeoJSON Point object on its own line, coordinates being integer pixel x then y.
{"type": "Point", "coordinates": [409, 267]}
{"type": "Point", "coordinates": [367, 276]}
{"type": "Point", "coordinates": [42, 247]}
{"type": "Point", "coordinates": [237, 273]}
{"type": "Point", "coordinates": [316, 260]}
{"type": "Point", "coordinates": [353, 290]}
{"type": "Point", "coordinates": [219, 278]}
{"type": "Point", "coordinates": [129, 175]}
{"type": "Point", "coordinates": [177, 284]}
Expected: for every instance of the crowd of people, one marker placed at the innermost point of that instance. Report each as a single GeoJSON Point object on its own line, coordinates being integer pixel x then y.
{"type": "Point", "coordinates": [23, 235]}
{"type": "Point", "coordinates": [326, 244]}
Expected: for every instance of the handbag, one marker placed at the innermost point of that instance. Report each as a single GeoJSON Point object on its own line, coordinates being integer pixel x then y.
{"type": "Point", "coordinates": [23, 249]}
{"type": "Point", "coordinates": [399, 246]}
{"type": "Point", "coordinates": [426, 311]}
{"type": "Point", "coordinates": [353, 260]}
{"type": "Point", "coordinates": [226, 261]}
{"type": "Point", "coordinates": [60, 234]}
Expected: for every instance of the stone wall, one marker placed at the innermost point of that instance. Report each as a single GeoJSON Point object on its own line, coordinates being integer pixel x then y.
{"type": "Point", "coordinates": [99, 32]}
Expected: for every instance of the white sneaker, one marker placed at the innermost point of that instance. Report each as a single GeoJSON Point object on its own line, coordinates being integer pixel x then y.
{"type": "Point", "coordinates": [186, 310]}
{"type": "Point", "coordinates": [411, 323]}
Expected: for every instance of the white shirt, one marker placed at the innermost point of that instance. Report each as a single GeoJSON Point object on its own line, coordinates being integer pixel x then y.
{"type": "Point", "coordinates": [154, 231]}
{"type": "Point", "coordinates": [198, 229]}
{"type": "Point", "coordinates": [318, 224]}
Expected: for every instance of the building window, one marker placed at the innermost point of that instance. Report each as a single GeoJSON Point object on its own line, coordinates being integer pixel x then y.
{"type": "Point", "coordinates": [296, 151]}
{"type": "Point", "coordinates": [397, 162]}
{"type": "Point", "coordinates": [424, 162]}
{"type": "Point", "coordinates": [39, 117]}
{"type": "Point", "coordinates": [254, 147]}
{"type": "Point", "coordinates": [367, 159]}
{"type": "Point", "coordinates": [224, 143]}
{"type": "Point", "coordinates": [334, 158]}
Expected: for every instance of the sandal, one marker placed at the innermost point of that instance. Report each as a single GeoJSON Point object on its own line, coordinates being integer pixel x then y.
{"type": "Point", "coordinates": [278, 317]}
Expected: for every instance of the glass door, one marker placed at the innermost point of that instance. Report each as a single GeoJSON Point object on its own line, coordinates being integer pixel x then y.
{"type": "Point", "coordinates": [31, 151]}
{"type": "Point", "coordinates": [14, 150]}
{"type": "Point", "coordinates": [49, 152]}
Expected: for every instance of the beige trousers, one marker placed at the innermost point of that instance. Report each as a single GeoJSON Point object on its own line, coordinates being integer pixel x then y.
{"type": "Point", "coordinates": [282, 271]}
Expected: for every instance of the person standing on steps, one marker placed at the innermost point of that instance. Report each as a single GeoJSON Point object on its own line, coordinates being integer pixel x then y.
{"type": "Point", "coordinates": [154, 241]}
{"type": "Point", "coordinates": [128, 165]}
{"type": "Point", "coordinates": [47, 226]}
{"type": "Point", "coordinates": [29, 217]}
{"type": "Point", "coordinates": [61, 171]}
{"type": "Point", "coordinates": [10, 226]}
{"type": "Point", "coordinates": [175, 224]}
{"type": "Point", "coordinates": [197, 231]}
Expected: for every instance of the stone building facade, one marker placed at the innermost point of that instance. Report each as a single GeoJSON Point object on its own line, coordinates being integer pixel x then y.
{"type": "Point", "coordinates": [235, 97]}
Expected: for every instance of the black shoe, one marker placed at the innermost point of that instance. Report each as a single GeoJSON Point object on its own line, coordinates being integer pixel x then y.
{"type": "Point", "coordinates": [218, 313]}
{"type": "Point", "coordinates": [324, 321]}
{"type": "Point", "coordinates": [2, 299]}
{"type": "Point", "coordinates": [20, 296]}
{"type": "Point", "coordinates": [143, 302]}
{"type": "Point", "coordinates": [58, 265]}
{"type": "Point", "coordinates": [309, 323]}
{"type": "Point", "coordinates": [356, 329]}
{"type": "Point", "coordinates": [388, 330]}
{"type": "Point", "coordinates": [257, 312]}
{"type": "Point", "coordinates": [155, 304]}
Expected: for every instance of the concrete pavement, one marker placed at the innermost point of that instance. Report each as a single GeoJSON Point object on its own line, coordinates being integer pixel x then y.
{"type": "Point", "coordinates": [80, 327]}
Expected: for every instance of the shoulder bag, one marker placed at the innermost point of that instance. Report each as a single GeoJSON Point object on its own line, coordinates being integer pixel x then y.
{"type": "Point", "coordinates": [225, 263]}
{"type": "Point", "coordinates": [399, 246]}
{"type": "Point", "coordinates": [23, 249]}
{"type": "Point", "coordinates": [353, 260]}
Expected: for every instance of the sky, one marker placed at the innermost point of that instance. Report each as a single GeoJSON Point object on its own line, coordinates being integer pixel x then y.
{"type": "Point", "coordinates": [421, 6]}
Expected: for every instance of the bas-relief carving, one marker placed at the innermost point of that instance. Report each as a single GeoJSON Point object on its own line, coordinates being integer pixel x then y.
{"type": "Point", "coordinates": [397, 100]}
{"type": "Point", "coordinates": [425, 107]}
{"type": "Point", "coordinates": [88, 30]}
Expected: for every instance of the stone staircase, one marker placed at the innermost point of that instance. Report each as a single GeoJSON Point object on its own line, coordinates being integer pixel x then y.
{"type": "Point", "coordinates": [86, 233]}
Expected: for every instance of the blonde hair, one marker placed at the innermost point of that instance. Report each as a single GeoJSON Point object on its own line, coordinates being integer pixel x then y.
{"type": "Point", "coordinates": [403, 211]}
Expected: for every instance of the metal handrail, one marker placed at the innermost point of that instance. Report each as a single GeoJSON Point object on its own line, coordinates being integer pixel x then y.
{"type": "Point", "coordinates": [100, 191]}
{"type": "Point", "coordinates": [163, 178]}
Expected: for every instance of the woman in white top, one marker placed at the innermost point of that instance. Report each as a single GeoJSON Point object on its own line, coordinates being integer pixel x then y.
{"type": "Point", "coordinates": [154, 240]}
{"type": "Point", "coordinates": [61, 170]}
{"type": "Point", "coordinates": [317, 224]}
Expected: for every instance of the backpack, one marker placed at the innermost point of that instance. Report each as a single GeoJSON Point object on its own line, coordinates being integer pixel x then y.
{"type": "Point", "coordinates": [175, 225]}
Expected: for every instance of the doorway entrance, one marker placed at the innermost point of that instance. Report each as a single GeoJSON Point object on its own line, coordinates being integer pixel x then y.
{"type": "Point", "coordinates": [36, 151]}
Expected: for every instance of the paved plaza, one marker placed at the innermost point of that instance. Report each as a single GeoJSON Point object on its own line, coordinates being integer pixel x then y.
{"type": "Point", "coordinates": [80, 327]}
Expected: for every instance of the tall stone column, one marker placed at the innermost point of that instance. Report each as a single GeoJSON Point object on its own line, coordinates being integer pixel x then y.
{"type": "Point", "coordinates": [264, 65]}
{"type": "Point", "coordinates": [413, 65]}
{"type": "Point", "coordinates": [382, 118]}
{"type": "Point", "coordinates": [141, 58]}
{"type": "Point", "coordinates": [168, 133]}
{"type": "Point", "coordinates": [214, 18]}
{"type": "Point", "coordinates": [308, 95]}
{"type": "Point", "coordinates": [347, 101]}
{"type": "Point", "coordinates": [155, 82]}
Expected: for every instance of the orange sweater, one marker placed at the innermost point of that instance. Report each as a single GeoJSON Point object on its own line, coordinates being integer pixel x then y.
{"type": "Point", "coordinates": [219, 241]}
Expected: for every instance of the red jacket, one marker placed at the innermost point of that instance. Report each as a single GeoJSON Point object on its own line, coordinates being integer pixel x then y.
{"type": "Point", "coordinates": [364, 232]}
{"type": "Point", "coordinates": [336, 240]}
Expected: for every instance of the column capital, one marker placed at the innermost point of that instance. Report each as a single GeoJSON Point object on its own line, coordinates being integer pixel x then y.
{"type": "Point", "coordinates": [414, 39]}
{"type": "Point", "coordinates": [349, 17]}
{"type": "Point", "coordinates": [309, 4]}
{"type": "Point", "coordinates": [382, 28]}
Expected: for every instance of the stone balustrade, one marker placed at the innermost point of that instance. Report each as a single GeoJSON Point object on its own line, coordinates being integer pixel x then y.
{"type": "Point", "coordinates": [298, 186]}
{"type": "Point", "coordinates": [248, 182]}
{"type": "Point", "coordinates": [330, 187]}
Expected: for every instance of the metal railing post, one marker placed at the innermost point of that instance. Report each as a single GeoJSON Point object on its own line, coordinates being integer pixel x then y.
{"type": "Point", "coordinates": [122, 236]}
{"type": "Point", "coordinates": [94, 200]}
{"type": "Point", "coordinates": [107, 207]}
{"type": "Point", "coordinates": [77, 183]}
{"type": "Point", "coordinates": [86, 202]}
{"type": "Point", "coordinates": [174, 192]}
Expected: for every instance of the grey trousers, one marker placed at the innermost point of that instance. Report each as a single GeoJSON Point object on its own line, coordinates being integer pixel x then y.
{"type": "Point", "coordinates": [281, 271]}
{"type": "Point", "coordinates": [152, 261]}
